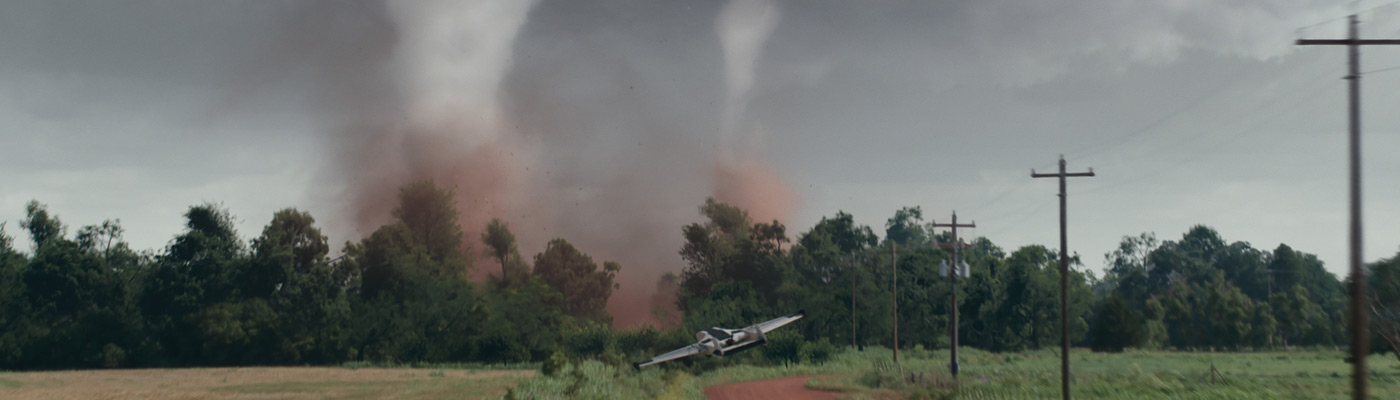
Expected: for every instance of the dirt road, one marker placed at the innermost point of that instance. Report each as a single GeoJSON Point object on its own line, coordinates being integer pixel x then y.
{"type": "Point", "coordinates": [772, 389]}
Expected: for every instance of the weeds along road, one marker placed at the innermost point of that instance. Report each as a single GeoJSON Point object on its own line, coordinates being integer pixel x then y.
{"type": "Point", "coordinates": [781, 388]}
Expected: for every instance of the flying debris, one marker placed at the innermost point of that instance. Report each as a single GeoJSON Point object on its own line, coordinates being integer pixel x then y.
{"type": "Point", "coordinates": [720, 342]}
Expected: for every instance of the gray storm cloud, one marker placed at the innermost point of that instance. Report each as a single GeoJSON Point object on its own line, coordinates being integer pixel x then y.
{"type": "Point", "coordinates": [606, 123]}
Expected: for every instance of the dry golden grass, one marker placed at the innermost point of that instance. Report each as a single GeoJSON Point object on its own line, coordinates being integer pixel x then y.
{"type": "Point", "coordinates": [259, 383]}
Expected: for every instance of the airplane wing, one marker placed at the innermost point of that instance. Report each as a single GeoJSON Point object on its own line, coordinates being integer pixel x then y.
{"type": "Point", "coordinates": [683, 352]}
{"type": "Point", "coordinates": [770, 325]}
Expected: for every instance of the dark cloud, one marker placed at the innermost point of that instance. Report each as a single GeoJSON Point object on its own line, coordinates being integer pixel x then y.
{"type": "Point", "coordinates": [617, 109]}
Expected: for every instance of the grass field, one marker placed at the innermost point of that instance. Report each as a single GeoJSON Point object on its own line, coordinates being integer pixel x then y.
{"type": "Point", "coordinates": [261, 383]}
{"type": "Point", "coordinates": [1302, 374]}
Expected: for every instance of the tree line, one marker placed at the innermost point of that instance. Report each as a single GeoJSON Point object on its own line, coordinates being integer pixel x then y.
{"type": "Point", "coordinates": [1200, 292]}
{"type": "Point", "coordinates": [401, 295]}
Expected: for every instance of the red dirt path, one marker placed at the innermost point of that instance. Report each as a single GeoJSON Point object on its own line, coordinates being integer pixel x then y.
{"type": "Point", "coordinates": [772, 389]}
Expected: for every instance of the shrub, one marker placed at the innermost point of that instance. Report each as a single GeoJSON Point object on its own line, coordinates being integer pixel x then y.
{"type": "Point", "coordinates": [112, 356]}
{"type": "Point", "coordinates": [783, 347]}
{"type": "Point", "coordinates": [501, 347]}
{"type": "Point", "coordinates": [816, 352]}
{"type": "Point", "coordinates": [554, 363]}
{"type": "Point", "coordinates": [588, 341]}
{"type": "Point", "coordinates": [639, 341]}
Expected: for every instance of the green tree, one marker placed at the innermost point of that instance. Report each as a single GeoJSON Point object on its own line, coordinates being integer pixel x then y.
{"type": "Point", "coordinates": [822, 268]}
{"type": "Point", "coordinates": [429, 214]}
{"type": "Point", "coordinates": [13, 309]}
{"type": "Point", "coordinates": [1027, 314]}
{"type": "Point", "coordinates": [525, 323]}
{"type": "Point", "coordinates": [41, 226]}
{"type": "Point", "coordinates": [1229, 313]}
{"type": "Point", "coordinates": [585, 287]}
{"type": "Point", "coordinates": [709, 245]}
{"type": "Point", "coordinates": [413, 303]}
{"type": "Point", "coordinates": [906, 227]}
{"type": "Point", "coordinates": [500, 243]}
{"type": "Point", "coordinates": [68, 303]}
{"type": "Point", "coordinates": [1384, 295]}
{"type": "Point", "coordinates": [197, 270]}
{"type": "Point", "coordinates": [1323, 295]}
{"type": "Point", "coordinates": [1127, 268]}
{"type": "Point", "coordinates": [291, 273]}
{"type": "Point", "coordinates": [1118, 326]}
{"type": "Point", "coordinates": [1264, 326]}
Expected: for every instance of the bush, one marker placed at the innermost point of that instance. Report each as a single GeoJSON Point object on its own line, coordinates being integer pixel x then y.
{"type": "Point", "coordinates": [112, 356]}
{"type": "Point", "coordinates": [501, 347]}
{"type": "Point", "coordinates": [816, 352]}
{"type": "Point", "coordinates": [783, 347]}
{"type": "Point", "coordinates": [636, 342]}
{"type": "Point", "coordinates": [554, 363]}
{"type": "Point", "coordinates": [589, 341]}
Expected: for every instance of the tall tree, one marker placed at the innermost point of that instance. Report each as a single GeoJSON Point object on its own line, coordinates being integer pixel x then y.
{"type": "Point", "coordinates": [41, 226]}
{"type": "Point", "coordinates": [198, 269]}
{"type": "Point", "coordinates": [500, 243]}
{"type": "Point", "coordinates": [1128, 267]}
{"type": "Point", "coordinates": [77, 310]}
{"type": "Point", "coordinates": [290, 270]}
{"type": "Point", "coordinates": [585, 287]}
{"type": "Point", "coordinates": [414, 302]}
{"type": "Point", "coordinates": [430, 215]}
{"type": "Point", "coordinates": [906, 227]}
{"type": "Point", "coordinates": [13, 309]}
{"type": "Point", "coordinates": [1118, 325]}
{"type": "Point", "coordinates": [710, 244]}
{"type": "Point", "coordinates": [1384, 290]}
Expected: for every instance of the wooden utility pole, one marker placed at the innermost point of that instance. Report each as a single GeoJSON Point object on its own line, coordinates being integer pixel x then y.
{"type": "Point", "coordinates": [1064, 274]}
{"type": "Point", "coordinates": [853, 301]}
{"type": "Point", "coordinates": [894, 282]}
{"type": "Point", "coordinates": [953, 272]}
{"type": "Point", "coordinates": [1360, 333]}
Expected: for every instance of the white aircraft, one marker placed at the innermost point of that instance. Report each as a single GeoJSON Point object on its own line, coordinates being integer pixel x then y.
{"type": "Point", "coordinates": [720, 342]}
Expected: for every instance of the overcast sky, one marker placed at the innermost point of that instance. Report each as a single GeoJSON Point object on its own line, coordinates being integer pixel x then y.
{"type": "Point", "coordinates": [1190, 112]}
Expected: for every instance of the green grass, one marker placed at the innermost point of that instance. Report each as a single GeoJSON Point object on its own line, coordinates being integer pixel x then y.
{"type": "Point", "coordinates": [10, 384]}
{"type": "Point", "coordinates": [1299, 374]}
{"type": "Point", "coordinates": [470, 366]}
{"type": "Point", "coordinates": [419, 388]}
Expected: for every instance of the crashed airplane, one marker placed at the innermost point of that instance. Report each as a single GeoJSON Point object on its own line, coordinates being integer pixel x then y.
{"type": "Point", "coordinates": [720, 342]}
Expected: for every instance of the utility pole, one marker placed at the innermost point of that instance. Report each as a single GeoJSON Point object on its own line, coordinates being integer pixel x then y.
{"type": "Point", "coordinates": [894, 282]}
{"type": "Point", "coordinates": [953, 272]}
{"type": "Point", "coordinates": [853, 301]}
{"type": "Point", "coordinates": [1064, 274]}
{"type": "Point", "coordinates": [1360, 334]}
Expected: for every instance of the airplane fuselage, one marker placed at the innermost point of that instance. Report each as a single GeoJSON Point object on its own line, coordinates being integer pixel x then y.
{"type": "Point", "coordinates": [715, 340]}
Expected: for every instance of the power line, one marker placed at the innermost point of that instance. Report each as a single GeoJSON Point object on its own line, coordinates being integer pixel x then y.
{"type": "Point", "coordinates": [1313, 25]}
{"type": "Point", "coordinates": [1227, 137]}
{"type": "Point", "coordinates": [1100, 147]}
{"type": "Point", "coordinates": [1318, 78]}
{"type": "Point", "coordinates": [1381, 70]}
{"type": "Point", "coordinates": [1001, 196]}
{"type": "Point", "coordinates": [1018, 222]}
{"type": "Point", "coordinates": [1006, 193]}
